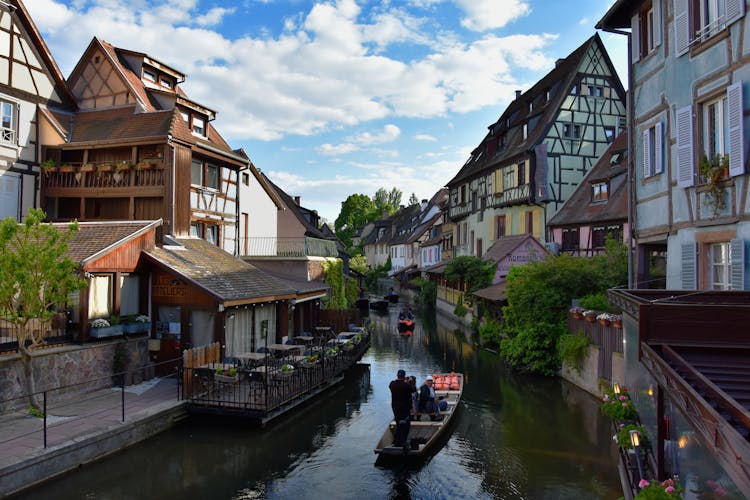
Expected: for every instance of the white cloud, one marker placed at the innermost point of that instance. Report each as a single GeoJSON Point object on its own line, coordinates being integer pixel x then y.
{"type": "Point", "coordinates": [326, 70]}
{"type": "Point", "coordinates": [213, 16]}
{"type": "Point", "coordinates": [425, 137]}
{"type": "Point", "coordinates": [483, 15]}
{"type": "Point", "coordinates": [338, 149]}
{"type": "Point", "coordinates": [390, 133]}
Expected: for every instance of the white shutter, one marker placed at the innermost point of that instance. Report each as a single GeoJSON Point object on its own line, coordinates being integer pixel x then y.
{"type": "Point", "coordinates": [736, 130]}
{"type": "Point", "coordinates": [657, 22]}
{"type": "Point", "coordinates": [635, 38]}
{"type": "Point", "coordinates": [646, 155]}
{"type": "Point", "coordinates": [684, 126]}
{"type": "Point", "coordinates": [658, 162]}
{"type": "Point", "coordinates": [9, 195]}
{"type": "Point", "coordinates": [689, 270]}
{"type": "Point", "coordinates": [735, 10]}
{"type": "Point", "coordinates": [737, 255]}
{"type": "Point", "coordinates": [681, 27]}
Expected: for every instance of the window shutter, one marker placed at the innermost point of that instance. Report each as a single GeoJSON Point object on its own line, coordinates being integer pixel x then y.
{"type": "Point", "coordinates": [736, 132]}
{"type": "Point", "coordinates": [737, 254]}
{"type": "Point", "coordinates": [646, 155]}
{"type": "Point", "coordinates": [657, 22]}
{"type": "Point", "coordinates": [684, 124]}
{"type": "Point", "coordinates": [735, 10]}
{"type": "Point", "coordinates": [635, 37]}
{"type": "Point", "coordinates": [688, 266]}
{"type": "Point", "coordinates": [681, 27]}
{"type": "Point", "coordinates": [659, 163]}
{"type": "Point", "coordinates": [537, 224]}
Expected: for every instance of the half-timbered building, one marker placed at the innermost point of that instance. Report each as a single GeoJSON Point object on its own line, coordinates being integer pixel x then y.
{"type": "Point", "coordinates": [30, 84]}
{"type": "Point", "coordinates": [536, 154]}
{"type": "Point", "coordinates": [140, 148]}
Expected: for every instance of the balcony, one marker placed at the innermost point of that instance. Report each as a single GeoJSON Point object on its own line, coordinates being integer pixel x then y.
{"type": "Point", "coordinates": [512, 196]}
{"type": "Point", "coordinates": [270, 246]}
{"type": "Point", "coordinates": [104, 179]}
{"type": "Point", "coordinates": [459, 210]}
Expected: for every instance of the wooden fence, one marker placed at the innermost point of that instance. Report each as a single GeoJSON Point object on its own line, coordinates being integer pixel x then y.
{"type": "Point", "coordinates": [339, 319]}
{"type": "Point", "coordinates": [606, 337]}
{"type": "Point", "coordinates": [198, 356]}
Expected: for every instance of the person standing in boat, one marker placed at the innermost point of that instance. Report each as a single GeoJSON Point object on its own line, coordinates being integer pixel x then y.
{"type": "Point", "coordinates": [401, 406]}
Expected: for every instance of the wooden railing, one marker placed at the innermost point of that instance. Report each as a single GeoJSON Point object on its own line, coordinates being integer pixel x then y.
{"type": "Point", "coordinates": [606, 337]}
{"type": "Point", "coordinates": [103, 175]}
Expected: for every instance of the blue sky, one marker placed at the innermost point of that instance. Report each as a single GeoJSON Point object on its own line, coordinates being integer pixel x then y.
{"type": "Point", "coordinates": [332, 98]}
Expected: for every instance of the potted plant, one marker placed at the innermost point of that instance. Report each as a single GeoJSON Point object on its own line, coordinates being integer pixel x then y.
{"type": "Point", "coordinates": [618, 406]}
{"type": "Point", "coordinates": [623, 436]}
{"type": "Point", "coordinates": [604, 318]}
{"type": "Point", "coordinates": [310, 361]}
{"type": "Point", "coordinates": [577, 312]}
{"type": "Point", "coordinates": [347, 346]}
{"type": "Point", "coordinates": [139, 324]}
{"type": "Point", "coordinates": [49, 166]}
{"type": "Point", "coordinates": [713, 173]}
{"type": "Point", "coordinates": [589, 315]}
{"type": "Point", "coordinates": [144, 164]}
{"type": "Point", "coordinates": [668, 489]}
{"type": "Point", "coordinates": [67, 167]}
{"type": "Point", "coordinates": [87, 167]}
{"type": "Point", "coordinates": [100, 328]}
{"type": "Point", "coordinates": [104, 167]}
{"type": "Point", "coordinates": [123, 166]}
{"type": "Point", "coordinates": [332, 352]}
{"type": "Point", "coordinates": [286, 370]}
{"type": "Point", "coordinates": [226, 376]}
{"type": "Point", "coordinates": [616, 320]}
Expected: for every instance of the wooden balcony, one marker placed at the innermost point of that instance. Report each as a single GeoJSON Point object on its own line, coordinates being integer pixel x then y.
{"type": "Point", "coordinates": [512, 196]}
{"type": "Point", "coordinates": [104, 180]}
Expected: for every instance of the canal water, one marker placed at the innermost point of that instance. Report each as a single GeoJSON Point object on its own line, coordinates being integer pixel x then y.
{"type": "Point", "coordinates": [514, 436]}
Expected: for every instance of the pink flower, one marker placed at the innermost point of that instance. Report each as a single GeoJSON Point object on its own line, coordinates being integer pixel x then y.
{"type": "Point", "coordinates": [669, 489]}
{"type": "Point", "coordinates": [622, 398]}
{"type": "Point", "coordinates": [624, 405]}
{"type": "Point", "coordinates": [643, 483]}
{"type": "Point", "coordinates": [711, 483]}
{"type": "Point", "coordinates": [668, 482]}
{"type": "Point", "coordinates": [720, 491]}
{"type": "Point", "coordinates": [606, 399]}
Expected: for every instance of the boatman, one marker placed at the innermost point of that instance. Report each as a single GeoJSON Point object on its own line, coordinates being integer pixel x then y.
{"type": "Point", "coordinates": [401, 406]}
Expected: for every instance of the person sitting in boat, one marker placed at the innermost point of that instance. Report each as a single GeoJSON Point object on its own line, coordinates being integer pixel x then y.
{"type": "Point", "coordinates": [391, 292]}
{"type": "Point", "coordinates": [403, 315]}
{"type": "Point", "coordinates": [410, 314]}
{"type": "Point", "coordinates": [429, 403]}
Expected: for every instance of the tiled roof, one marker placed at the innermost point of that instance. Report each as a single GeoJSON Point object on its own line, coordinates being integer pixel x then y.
{"type": "Point", "coordinates": [495, 293]}
{"type": "Point", "coordinates": [580, 209]}
{"type": "Point", "coordinates": [302, 287]}
{"type": "Point", "coordinates": [121, 124]}
{"type": "Point", "coordinates": [93, 237]}
{"type": "Point", "coordinates": [542, 115]}
{"type": "Point", "coordinates": [133, 80]}
{"type": "Point", "coordinates": [222, 275]}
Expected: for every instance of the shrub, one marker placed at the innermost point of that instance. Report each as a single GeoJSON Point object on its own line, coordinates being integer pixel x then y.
{"type": "Point", "coordinates": [596, 301]}
{"type": "Point", "coordinates": [490, 331]}
{"type": "Point", "coordinates": [618, 406]}
{"type": "Point", "coordinates": [623, 436]}
{"type": "Point", "coordinates": [573, 348]}
{"type": "Point", "coordinates": [460, 310]}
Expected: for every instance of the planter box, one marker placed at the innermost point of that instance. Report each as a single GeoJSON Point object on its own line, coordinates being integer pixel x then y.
{"type": "Point", "coordinates": [226, 379]}
{"type": "Point", "coordinates": [136, 327]}
{"type": "Point", "coordinates": [107, 331]}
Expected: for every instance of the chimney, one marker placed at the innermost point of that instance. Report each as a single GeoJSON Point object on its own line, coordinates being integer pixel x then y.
{"type": "Point", "coordinates": [424, 204]}
{"type": "Point", "coordinates": [518, 94]}
{"type": "Point", "coordinates": [296, 200]}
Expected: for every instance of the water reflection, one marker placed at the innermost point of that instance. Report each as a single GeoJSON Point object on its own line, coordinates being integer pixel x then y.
{"type": "Point", "coordinates": [515, 436]}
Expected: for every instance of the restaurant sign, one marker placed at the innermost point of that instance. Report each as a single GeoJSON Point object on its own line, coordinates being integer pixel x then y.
{"type": "Point", "coordinates": [528, 252]}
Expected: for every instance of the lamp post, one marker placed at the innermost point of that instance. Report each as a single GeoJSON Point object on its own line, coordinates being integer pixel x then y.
{"type": "Point", "coordinates": [635, 440]}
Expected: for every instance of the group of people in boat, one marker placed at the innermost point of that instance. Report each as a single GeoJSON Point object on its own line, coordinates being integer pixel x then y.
{"type": "Point", "coordinates": [409, 403]}
{"type": "Point", "coordinates": [406, 313]}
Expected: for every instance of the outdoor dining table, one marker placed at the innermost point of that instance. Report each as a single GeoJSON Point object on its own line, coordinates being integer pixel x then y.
{"type": "Point", "coordinates": [285, 348]}
{"type": "Point", "coordinates": [304, 338]}
{"type": "Point", "coordinates": [251, 356]}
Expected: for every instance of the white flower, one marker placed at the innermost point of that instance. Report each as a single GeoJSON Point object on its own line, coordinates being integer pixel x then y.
{"type": "Point", "coordinates": [99, 323]}
{"type": "Point", "coordinates": [142, 319]}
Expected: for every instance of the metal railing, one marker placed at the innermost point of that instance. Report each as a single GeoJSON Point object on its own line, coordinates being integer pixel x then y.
{"type": "Point", "coordinates": [270, 246]}
{"type": "Point", "coordinates": [54, 332]}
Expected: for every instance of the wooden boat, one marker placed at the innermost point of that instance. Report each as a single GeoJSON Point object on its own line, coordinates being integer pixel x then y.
{"type": "Point", "coordinates": [379, 305]}
{"type": "Point", "coordinates": [391, 297]}
{"type": "Point", "coordinates": [405, 325]}
{"type": "Point", "coordinates": [424, 433]}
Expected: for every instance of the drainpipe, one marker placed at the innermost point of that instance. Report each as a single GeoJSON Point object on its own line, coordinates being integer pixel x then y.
{"type": "Point", "coordinates": [174, 172]}
{"type": "Point", "coordinates": [238, 240]}
{"type": "Point", "coordinates": [631, 151]}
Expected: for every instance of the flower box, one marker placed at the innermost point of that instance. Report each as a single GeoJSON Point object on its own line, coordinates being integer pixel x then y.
{"type": "Point", "coordinates": [226, 379]}
{"type": "Point", "coordinates": [617, 323]}
{"type": "Point", "coordinates": [136, 327]}
{"type": "Point", "coordinates": [105, 331]}
{"type": "Point", "coordinates": [604, 322]}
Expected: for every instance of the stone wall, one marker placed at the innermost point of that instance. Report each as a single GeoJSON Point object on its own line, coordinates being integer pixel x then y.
{"type": "Point", "coordinates": [67, 371]}
{"type": "Point", "coordinates": [588, 379]}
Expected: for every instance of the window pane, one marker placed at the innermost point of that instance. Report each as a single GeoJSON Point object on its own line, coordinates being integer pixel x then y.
{"type": "Point", "coordinates": [7, 115]}
{"type": "Point", "coordinates": [212, 176]}
{"type": "Point", "coordinates": [100, 297]}
{"type": "Point", "coordinates": [196, 173]}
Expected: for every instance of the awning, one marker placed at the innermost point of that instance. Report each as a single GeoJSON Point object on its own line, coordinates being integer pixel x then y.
{"type": "Point", "coordinates": [494, 293]}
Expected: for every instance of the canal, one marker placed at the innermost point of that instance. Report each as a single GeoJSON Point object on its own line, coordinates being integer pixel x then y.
{"type": "Point", "coordinates": [515, 436]}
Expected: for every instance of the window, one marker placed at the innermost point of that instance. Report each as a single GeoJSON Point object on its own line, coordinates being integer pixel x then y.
{"type": "Point", "coordinates": [245, 178]}
{"type": "Point", "coordinates": [196, 230]}
{"type": "Point", "coordinates": [571, 131]}
{"type": "Point", "coordinates": [646, 29]}
{"type": "Point", "coordinates": [570, 240]}
{"type": "Point", "coordinates": [196, 173]}
{"type": "Point", "coordinates": [521, 174]}
{"type": "Point", "coordinates": [185, 116]}
{"type": "Point", "coordinates": [199, 126]}
{"type": "Point", "coordinates": [599, 191]}
{"type": "Point", "coordinates": [609, 134]}
{"type": "Point", "coordinates": [652, 154]}
{"type": "Point", "coordinates": [7, 121]}
{"type": "Point", "coordinates": [698, 20]}
{"type": "Point", "coordinates": [509, 178]}
{"type": "Point", "coordinates": [499, 226]}
{"type": "Point", "coordinates": [166, 83]}
{"type": "Point", "coordinates": [600, 234]}
{"type": "Point", "coordinates": [596, 90]}
{"type": "Point", "coordinates": [149, 75]}
{"type": "Point", "coordinates": [212, 176]}
{"type": "Point", "coordinates": [530, 222]}
{"type": "Point", "coordinates": [715, 129]}
{"type": "Point", "coordinates": [721, 266]}
{"type": "Point", "coordinates": [525, 131]}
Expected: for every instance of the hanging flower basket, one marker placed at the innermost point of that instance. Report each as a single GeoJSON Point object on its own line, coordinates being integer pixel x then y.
{"type": "Point", "coordinates": [590, 316]}
{"type": "Point", "coordinates": [576, 312]}
{"type": "Point", "coordinates": [88, 167]}
{"type": "Point", "coordinates": [617, 323]}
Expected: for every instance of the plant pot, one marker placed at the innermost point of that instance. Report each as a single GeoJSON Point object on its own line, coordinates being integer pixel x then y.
{"type": "Point", "coordinates": [282, 374]}
{"type": "Point", "coordinates": [85, 168]}
{"type": "Point", "coordinates": [617, 324]}
{"type": "Point", "coordinates": [590, 319]}
{"type": "Point", "coordinates": [576, 315]}
{"type": "Point", "coordinates": [136, 327]}
{"type": "Point", "coordinates": [226, 379]}
{"type": "Point", "coordinates": [107, 331]}
{"type": "Point", "coordinates": [104, 168]}
{"type": "Point", "coordinates": [604, 322]}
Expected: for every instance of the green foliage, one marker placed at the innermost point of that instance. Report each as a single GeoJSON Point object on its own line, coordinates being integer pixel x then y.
{"type": "Point", "coordinates": [618, 406]}
{"type": "Point", "coordinates": [539, 296]}
{"type": "Point", "coordinates": [36, 275]}
{"type": "Point", "coordinates": [460, 310]}
{"type": "Point", "coordinates": [573, 348]}
{"type": "Point", "coordinates": [596, 301]}
{"type": "Point", "coordinates": [379, 272]}
{"type": "Point", "coordinates": [386, 200]}
{"type": "Point", "coordinates": [413, 200]}
{"type": "Point", "coordinates": [490, 332]}
{"type": "Point", "coordinates": [351, 291]}
{"type": "Point", "coordinates": [356, 211]}
{"type": "Point", "coordinates": [623, 436]}
{"type": "Point", "coordinates": [427, 292]}
{"type": "Point", "coordinates": [473, 271]}
{"type": "Point", "coordinates": [334, 277]}
{"type": "Point", "coordinates": [35, 412]}
{"type": "Point", "coordinates": [670, 489]}
{"type": "Point", "coordinates": [358, 263]}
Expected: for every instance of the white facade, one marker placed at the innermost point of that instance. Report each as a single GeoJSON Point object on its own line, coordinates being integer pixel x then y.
{"type": "Point", "coordinates": [258, 218]}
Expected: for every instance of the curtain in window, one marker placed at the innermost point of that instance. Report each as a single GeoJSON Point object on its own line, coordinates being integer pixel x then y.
{"type": "Point", "coordinates": [202, 327]}
{"type": "Point", "coordinates": [239, 331]}
{"type": "Point", "coordinates": [100, 297]}
{"type": "Point", "coordinates": [129, 294]}
{"type": "Point", "coordinates": [265, 313]}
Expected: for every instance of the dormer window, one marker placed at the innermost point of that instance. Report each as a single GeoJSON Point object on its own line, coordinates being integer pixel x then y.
{"type": "Point", "coordinates": [149, 75]}
{"type": "Point", "coordinates": [166, 83]}
{"type": "Point", "coordinates": [599, 191]}
{"type": "Point", "coordinates": [199, 126]}
{"type": "Point", "coordinates": [525, 131]}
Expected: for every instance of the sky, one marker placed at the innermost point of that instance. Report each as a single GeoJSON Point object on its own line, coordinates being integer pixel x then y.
{"type": "Point", "coordinates": [339, 97]}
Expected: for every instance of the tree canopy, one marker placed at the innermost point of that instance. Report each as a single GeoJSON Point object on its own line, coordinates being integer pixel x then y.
{"type": "Point", "coordinates": [473, 271]}
{"type": "Point", "coordinates": [387, 200]}
{"type": "Point", "coordinates": [356, 211]}
{"type": "Point", "coordinates": [413, 200]}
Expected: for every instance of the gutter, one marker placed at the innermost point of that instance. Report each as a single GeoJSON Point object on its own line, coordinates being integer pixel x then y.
{"type": "Point", "coordinates": [631, 151]}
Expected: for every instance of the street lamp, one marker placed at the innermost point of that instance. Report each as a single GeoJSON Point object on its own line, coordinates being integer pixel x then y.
{"type": "Point", "coordinates": [617, 388]}
{"type": "Point", "coordinates": [635, 440]}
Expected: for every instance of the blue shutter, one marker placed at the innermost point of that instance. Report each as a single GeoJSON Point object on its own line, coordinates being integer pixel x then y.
{"type": "Point", "coordinates": [737, 255]}
{"type": "Point", "coordinates": [646, 155]}
{"type": "Point", "coordinates": [689, 268]}
{"type": "Point", "coordinates": [658, 166]}
{"type": "Point", "coordinates": [736, 130]}
{"type": "Point", "coordinates": [684, 126]}
{"type": "Point", "coordinates": [681, 27]}
{"type": "Point", "coordinates": [657, 22]}
{"type": "Point", "coordinates": [735, 9]}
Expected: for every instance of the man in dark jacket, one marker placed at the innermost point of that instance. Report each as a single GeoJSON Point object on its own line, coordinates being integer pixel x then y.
{"type": "Point", "coordinates": [401, 406]}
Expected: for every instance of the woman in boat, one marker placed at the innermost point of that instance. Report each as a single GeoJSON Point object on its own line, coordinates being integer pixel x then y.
{"type": "Point", "coordinates": [429, 402]}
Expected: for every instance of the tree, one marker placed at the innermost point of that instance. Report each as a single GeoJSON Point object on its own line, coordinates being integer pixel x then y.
{"type": "Point", "coordinates": [413, 200]}
{"type": "Point", "coordinates": [36, 275]}
{"type": "Point", "coordinates": [356, 211]}
{"type": "Point", "coordinates": [474, 272]}
{"type": "Point", "coordinates": [387, 200]}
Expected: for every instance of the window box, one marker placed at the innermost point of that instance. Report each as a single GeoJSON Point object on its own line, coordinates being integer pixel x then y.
{"type": "Point", "coordinates": [105, 331]}
{"type": "Point", "coordinates": [136, 327]}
